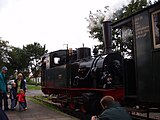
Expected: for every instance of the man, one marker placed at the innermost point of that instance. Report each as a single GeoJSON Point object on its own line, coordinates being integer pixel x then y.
{"type": "Point", "coordinates": [3, 88]}
{"type": "Point", "coordinates": [112, 110]}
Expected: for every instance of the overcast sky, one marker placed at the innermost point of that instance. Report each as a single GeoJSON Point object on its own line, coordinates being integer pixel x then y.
{"type": "Point", "coordinates": [50, 22]}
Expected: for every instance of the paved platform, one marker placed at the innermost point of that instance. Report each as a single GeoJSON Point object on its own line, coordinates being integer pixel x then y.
{"type": "Point", "coordinates": [38, 112]}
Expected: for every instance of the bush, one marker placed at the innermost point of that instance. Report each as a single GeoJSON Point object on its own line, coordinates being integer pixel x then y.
{"type": "Point", "coordinates": [30, 82]}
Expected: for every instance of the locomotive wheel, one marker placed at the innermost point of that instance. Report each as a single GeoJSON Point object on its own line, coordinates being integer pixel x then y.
{"type": "Point", "coordinates": [72, 106]}
{"type": "Point", "coordinates": [63, 104]}
{"type": "Point", "coordinates": [95, 107]}
{"type": "Point", "coordinates": [83, 108]}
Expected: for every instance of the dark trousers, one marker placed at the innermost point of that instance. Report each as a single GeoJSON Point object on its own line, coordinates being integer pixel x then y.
{"type": "Point", "coordinates": [13, 102]}
{"type": "Point", "coordinates": [22, 106]}
{"type": "Point", "coordinates": [3, 96]}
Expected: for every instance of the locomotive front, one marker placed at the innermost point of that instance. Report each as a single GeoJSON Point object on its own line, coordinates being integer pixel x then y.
{"type": "Point", "coordinates": [103, 71]}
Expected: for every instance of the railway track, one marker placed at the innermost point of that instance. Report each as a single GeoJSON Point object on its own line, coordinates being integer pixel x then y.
{"type": "Point", "coordinates": [83, 116]}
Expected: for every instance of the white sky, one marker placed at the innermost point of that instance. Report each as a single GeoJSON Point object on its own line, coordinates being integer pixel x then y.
{"type": "Point", "coordinates": [50, 22]}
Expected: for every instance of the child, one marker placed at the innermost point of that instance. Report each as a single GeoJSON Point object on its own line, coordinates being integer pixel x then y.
{"type": "Point", "coordinates": [13, 94]}
{"type": "Point", "coordinates": [21, 100]}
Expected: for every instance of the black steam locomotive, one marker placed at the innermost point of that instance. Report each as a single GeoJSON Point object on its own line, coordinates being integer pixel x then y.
{"type": "Point", "coordinates": [79, 80]}
{"type": "Point", "coordinates": [80, 77]}
{"type": "Point", "coordinates": [82, 71]}
{"type": "Point", "coordinates": [75, 75]}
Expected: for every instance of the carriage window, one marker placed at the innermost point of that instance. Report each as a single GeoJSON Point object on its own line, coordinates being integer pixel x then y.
{"type": "Point", "coordinates": [156, 28]}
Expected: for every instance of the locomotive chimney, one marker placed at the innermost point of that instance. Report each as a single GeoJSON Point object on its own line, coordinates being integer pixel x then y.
{"type": "Point", "coordinates": [107, 36]}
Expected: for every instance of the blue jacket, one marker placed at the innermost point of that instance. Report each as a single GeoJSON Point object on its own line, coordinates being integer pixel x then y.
{"type": "Point", "coordinates": [115, 112]}
{"type": "Point", "coordinates": [3, 83]}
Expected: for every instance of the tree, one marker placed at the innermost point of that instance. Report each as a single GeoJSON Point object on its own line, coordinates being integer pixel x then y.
{"type": "Point", "coordinates": [131, 8]}
{"type": "Point", "coordinates": [125, 44]}
{"type": "Point", "coordinates": [19, 59]}
{"type": "Point", "coordinates": [35, 52]}
{"type": "Point", "coordinates": [26, 58]}
{"type": "Point", "coordinates": [95, 25]}
{"type": "Point", "coordinates": [4, 49]}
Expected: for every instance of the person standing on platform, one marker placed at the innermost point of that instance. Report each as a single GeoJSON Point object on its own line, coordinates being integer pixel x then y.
{"type": "Point", "coordinates": [3, 88]}
{"type": "Point", "coordinates": [21, 100]}
{"type": "Point", "coordinates": [13, 94]}
{"type": "Point", "coordinates": [21, 84]}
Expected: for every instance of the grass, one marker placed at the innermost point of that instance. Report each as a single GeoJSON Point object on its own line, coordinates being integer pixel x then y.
{"type": "Point", "coordinates": [33, 87]}
{"type": "Point", "coordinates": [50, 106]}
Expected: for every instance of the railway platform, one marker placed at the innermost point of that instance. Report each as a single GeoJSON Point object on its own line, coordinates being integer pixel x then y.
{"type": "Point", "coordinates": [37, 112]}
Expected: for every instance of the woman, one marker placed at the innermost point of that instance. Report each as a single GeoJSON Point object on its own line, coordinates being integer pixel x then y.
{"type": "Point", "coordinates": [21, 84]}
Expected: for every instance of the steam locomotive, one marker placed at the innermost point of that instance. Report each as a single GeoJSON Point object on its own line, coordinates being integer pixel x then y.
{"type": "Point", "coordinates": [79, 80]}
{"type": "Point", "coordinates": [80, 76]}
{"type": "Point", "coordinates": [75, 75]}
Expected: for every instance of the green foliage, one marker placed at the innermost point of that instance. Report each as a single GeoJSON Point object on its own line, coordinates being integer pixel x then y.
{"type": "Point", "coordinates": [34, 51]}
{"type": "Point", "coordinates": [19, 59]}
{"type": "Point", "coordinates": [123, 45]}
{"type": "Point", "coordinates": [95, 25]}
{"type": "Point", "coordinates": [126, 46]}
{"type": "Point", "coordinates": [131, 8]}
{"type": "Point", "coordinates": [4, 49]}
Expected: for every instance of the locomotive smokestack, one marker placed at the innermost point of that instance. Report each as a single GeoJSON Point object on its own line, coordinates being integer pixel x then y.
{"type": "Point", "coordinates": [107, 36]}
